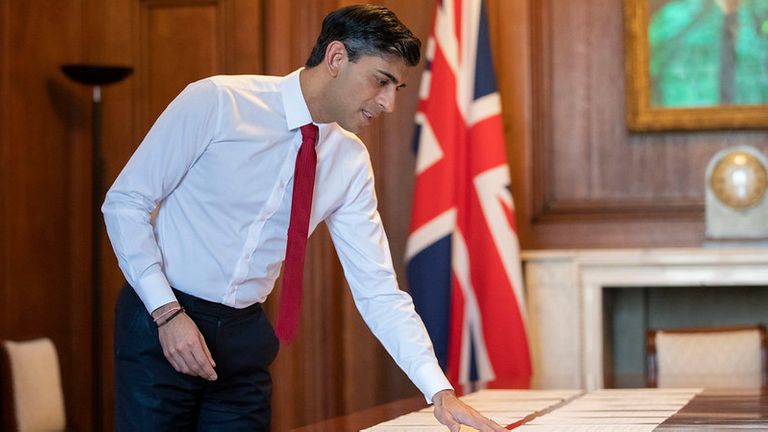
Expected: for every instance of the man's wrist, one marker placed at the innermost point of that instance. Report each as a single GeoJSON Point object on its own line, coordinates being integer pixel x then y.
{"type": "Point", "coordinates": [438, 398]}
{"type": "Point", "coordinates": [164, 309]}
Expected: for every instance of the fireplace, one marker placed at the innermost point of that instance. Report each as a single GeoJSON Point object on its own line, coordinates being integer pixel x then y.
{"type": "Point", "coordinates": [565, 291]}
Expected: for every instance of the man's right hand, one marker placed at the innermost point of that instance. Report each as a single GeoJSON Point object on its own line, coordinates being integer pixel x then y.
{"type": "Point", "coordinates": [184, 345]}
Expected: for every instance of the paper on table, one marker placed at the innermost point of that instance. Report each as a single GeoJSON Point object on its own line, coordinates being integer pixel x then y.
{"type": "Point", "coordinates": [614, 410]}
{"type": "Point", "coordinates": [645, 391]}
{"type": "Point", "coordinates": [585, 428]}
{"type": "Point", "coordinates": [428, 419]}
{"type": "Point", "coordinates": [528, 406]}
{"type": "Point", "coordinates": [393, 427]}
{"type": "Point", "coordinates": [598, 414]}
{"type": "Point", "coordinates": [402, 428]}
{"type": "Point", "coordinates": [493, 394]}
{"type": "Point", "coordinates": [597, 421]}
{"type": "Point", "coordinates": [635, 402]}
{"type": "Point", "coordinates": [413, 419]}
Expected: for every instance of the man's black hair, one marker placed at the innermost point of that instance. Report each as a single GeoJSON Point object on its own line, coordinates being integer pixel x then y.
{"type": "Point", "coordinates": [366, 30]}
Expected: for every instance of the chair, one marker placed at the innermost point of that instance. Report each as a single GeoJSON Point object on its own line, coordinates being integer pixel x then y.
{"type": "Point", "coordinates": [716, 357]}
{"type": "Point", "coordinates": [33, 396]}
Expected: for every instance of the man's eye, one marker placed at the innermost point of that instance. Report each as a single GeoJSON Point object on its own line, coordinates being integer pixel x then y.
{"type": "Point", "coordinates": [383, 82]}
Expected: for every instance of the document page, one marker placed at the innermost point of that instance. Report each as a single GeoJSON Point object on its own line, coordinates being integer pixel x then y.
{"type": "Point", "coordinates": [620, 410]}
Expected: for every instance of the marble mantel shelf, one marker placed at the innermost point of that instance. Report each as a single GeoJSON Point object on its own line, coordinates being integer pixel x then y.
{"type": "Point", "coordinates": [564, 291]}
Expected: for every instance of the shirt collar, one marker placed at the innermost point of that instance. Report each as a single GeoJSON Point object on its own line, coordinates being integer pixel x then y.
{"type": "Point", "coordinates": [296, 109]}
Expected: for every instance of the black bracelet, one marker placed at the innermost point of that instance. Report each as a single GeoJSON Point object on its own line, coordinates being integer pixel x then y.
{"type": "Point", "coordinates": [173, 315]}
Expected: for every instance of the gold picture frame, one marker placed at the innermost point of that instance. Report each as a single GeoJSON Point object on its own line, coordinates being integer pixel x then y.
{"type": "Point", "coordinates": [642, 115]}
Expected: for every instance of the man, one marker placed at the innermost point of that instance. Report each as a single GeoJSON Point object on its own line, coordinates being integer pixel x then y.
{"type": "Point", "coordinates": [198, 220]}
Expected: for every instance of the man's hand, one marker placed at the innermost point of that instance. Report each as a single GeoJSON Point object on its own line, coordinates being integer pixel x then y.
{"type": "Point", "coordinates": [452, 412]}
{"type": "Point", "coordinates": [184, 346]}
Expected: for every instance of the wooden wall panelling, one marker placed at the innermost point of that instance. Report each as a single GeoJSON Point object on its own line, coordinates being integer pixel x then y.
{"type": "Point", "coordinates": [290, 30]}
{"type": "Point", "coordinates": [38, 173]}
{"type": "Point", "coordinates": [180, 42]}
{"type": "Point", "coordinates": [279, 56]}
{"type": "Point", "coordinates": [245, 42]}
{"type": "Point", "coordinates": [39, 146]}
{"type": "Point", "coordinates": [5, 102]}
{"type": "Point", "coordinates": [593, 183]}
{"type": "Point", "coordinates": [79, 373]}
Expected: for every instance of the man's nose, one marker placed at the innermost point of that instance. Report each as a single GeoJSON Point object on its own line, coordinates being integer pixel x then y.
{"type": "Point", "coordinates": [386, 99]}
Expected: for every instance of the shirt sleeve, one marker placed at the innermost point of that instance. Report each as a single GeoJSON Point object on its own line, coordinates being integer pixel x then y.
{"type": "Point", "coordinates": [363, 249]}
{"type": "Point", "coordinates": [176, 140]}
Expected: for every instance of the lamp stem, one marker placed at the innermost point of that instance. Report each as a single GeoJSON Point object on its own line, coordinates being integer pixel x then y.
{"type": "Point", "coordinates": [96, 225]}
{"type": "Point", "coordinates": [96, 75]}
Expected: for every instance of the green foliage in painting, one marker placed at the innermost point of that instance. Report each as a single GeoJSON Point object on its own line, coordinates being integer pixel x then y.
{"type": "Point", "coordinates": [708, 52]}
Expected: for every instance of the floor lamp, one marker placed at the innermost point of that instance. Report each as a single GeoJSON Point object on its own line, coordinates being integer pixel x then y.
{"type": "Point", "coordinates": [96, 76]}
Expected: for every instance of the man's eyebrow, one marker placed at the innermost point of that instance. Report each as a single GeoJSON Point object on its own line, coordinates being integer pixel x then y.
{"type": "Point", "coordinates": [391, 78]}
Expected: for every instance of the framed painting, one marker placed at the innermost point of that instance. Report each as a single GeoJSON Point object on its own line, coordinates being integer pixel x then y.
{"type": "Point", "coordinates": [696, 64]}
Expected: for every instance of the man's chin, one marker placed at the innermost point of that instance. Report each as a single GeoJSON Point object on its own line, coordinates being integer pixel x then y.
{"type": "Point", "coordinates": [354, 128]}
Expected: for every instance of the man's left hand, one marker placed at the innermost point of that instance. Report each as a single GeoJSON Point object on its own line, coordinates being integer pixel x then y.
{"type": "Point", "coordinates": [452, 412]}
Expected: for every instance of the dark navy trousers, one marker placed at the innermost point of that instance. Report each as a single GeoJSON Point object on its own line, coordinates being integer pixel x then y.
{"type": "Point", "coordinates": [151, 396]}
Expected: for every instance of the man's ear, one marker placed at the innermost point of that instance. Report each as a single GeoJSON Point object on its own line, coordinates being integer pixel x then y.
{"type": "Point", "coordinates": [335, 57]}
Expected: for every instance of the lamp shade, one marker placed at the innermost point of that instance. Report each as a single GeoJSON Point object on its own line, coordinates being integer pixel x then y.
{"type": "Point", "coordinates": [92, 74]}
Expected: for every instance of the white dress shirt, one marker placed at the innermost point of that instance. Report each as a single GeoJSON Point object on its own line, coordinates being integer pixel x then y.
{"type": "Point", "coordinates": [203, 206]}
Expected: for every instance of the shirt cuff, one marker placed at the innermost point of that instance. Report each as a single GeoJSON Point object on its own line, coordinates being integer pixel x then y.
{"type": "Point", "coordinates": [430, 379]}
{"type": "Point", "coordinates": [154, 291]}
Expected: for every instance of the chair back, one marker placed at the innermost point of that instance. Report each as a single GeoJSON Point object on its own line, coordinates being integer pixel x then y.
{"type": "Point", "coordinates": [712, 357]}
{"type": "Point", "coordinates": [35, 393]}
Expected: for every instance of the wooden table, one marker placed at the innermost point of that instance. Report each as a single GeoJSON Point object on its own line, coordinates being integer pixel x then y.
{"type": "Point", "coordinates": [710, 410]}
{"type": "Point", "coordinates": [721, 410]}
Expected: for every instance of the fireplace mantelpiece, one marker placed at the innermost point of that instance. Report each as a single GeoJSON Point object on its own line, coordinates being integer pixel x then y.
{"type": "Point", "coordinates": [565, 296]}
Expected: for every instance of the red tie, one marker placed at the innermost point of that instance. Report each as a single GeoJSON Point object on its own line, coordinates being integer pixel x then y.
{"type": "Point", "coordinates": [298, 231]}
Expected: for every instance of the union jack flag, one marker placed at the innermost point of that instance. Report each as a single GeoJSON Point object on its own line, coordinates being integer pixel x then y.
{"type": "Point", "coordinates": [462, 256]}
